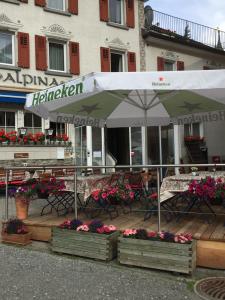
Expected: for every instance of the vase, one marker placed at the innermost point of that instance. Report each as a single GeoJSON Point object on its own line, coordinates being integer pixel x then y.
{"type": "Point", "coordinates": [22, 206]}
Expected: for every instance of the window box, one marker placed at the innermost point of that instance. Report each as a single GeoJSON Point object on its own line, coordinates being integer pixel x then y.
{"type": "Point", "coordinates": [160, 255]}
{"type": "Point", "coordinates": [18, 239]}
{"type": "Point", "coordinates": [85, 244]}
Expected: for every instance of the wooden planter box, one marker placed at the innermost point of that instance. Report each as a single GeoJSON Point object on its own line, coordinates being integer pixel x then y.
{"type": "Point", "coordinates": [19, 239]}
{"type": "Point", "coordinates": [157, 255]}
{"type": "Point", "coordinates": [86, 244]}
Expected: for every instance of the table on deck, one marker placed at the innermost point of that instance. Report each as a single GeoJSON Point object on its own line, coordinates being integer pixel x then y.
{"type": "Point", "coordinates": [179, 183]}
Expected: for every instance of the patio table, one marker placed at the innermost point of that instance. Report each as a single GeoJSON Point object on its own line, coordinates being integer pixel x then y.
{"type": "Point", "coordinates": [179, 183]}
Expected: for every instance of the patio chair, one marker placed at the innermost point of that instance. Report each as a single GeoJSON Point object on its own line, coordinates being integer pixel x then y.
{"type": "Point", "coordinates": [93, 208]}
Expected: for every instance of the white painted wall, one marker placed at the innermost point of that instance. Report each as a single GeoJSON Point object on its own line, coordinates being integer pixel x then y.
{"type": "Point", "coordinates": [214, 132]}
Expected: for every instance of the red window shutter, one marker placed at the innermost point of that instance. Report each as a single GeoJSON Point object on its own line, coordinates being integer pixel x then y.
{"type": "Point", "coordinates": [130, 13]}
{"type": "Point", "coordinates": [40, 2]}
{"type": "Point", "coordinates": [40, 51]}
{"type": "Point", "coordinates": [131, 61]}
{"type": "Point", "coordinates": [73, 6]}
{"type": "Point", "coordinates": [105, 59]}
{"type": "Point", "coordinates": [206, 68]}
{"type": "Point", "coordinates": [104, 10]}
{"type": "Point", "coordinates": [160, 63]}
{"type": "Point", "coordinates": [74, 58]}
{"type": "Point", "coordinates": [23, 50]}
{"type": "Point", "coordinates": [180, 66]}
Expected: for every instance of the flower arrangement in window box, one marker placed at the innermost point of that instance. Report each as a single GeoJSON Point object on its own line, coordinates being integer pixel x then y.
{"type": "Point", "coordinates": [62, 138]}
{"type": "Point", "coordinates": [93, 239]}
{"type": "Point", "coordinates": [163, 250]}
{"type": "Point", "coordinates": [193, 138]}
{"type": "Point", "coordinates": [14, 231]}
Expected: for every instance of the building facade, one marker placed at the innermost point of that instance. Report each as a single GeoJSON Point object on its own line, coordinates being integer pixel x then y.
{"type": "Point", "coordinates": [173, 44]}
{"type": "Point", "coordinates": [46, 42]}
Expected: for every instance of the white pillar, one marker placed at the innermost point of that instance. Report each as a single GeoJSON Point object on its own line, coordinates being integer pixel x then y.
{"type": "Point", "coordinates": [103, 148]}
{"type": "Point", "coordinates": [20, 119]}
{"type": "Point", "coordinates": [89, 145]}
{"type": "Point", "coordinates": [176, 147]}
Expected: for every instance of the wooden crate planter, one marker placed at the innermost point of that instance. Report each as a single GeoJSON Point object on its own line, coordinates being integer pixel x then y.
{"type": "Point", "coordinates": [157, 255]}
{"type": "Point", "coordinates": [18, 239]}
{"type": "Point", "coordinates": [86, 244]}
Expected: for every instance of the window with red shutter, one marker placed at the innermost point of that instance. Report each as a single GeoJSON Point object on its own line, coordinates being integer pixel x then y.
{"type": "Point", "coordinates": [180, 66]}
{"type": "Point", "coordinates": [23, 50]}
{"type": "Point", "coordinates": [103, 6]}
{"type": "Point", "coordinates": [73, 6]}
{"type": "Point", "coordinates": [40, 3]}
{"type": "Point", "coordinates": [40, 52]}
{"type": "Point", "coordinates": [131, 61]}
{"type": "Point", "coordinates": [74, 58]}
{"type": "Point", "coordinates": [105, 59]}
{"type": "Point", "coordinates": [130, 15]}
{"type": "Point", "coordinates": [160, 63]}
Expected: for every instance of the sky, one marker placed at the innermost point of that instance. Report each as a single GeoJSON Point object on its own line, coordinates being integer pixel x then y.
{"type": "Point", "coordinates": [206, 12]}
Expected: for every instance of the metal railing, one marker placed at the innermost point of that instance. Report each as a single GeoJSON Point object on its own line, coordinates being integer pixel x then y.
{"type": "Point", "coordinates": [122, 167]}
{"type": "Point", "coordinates": [186, 30]}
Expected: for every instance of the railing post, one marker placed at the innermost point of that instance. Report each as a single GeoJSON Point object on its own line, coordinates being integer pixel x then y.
{"type": "Point", "coordinates": [6, 197]}
{"type": "Point", "coordinates": [158, 192]}
{"type": "Point", "coordinates": [75, 193]}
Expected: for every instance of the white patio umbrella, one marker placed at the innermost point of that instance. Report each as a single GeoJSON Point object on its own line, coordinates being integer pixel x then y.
{"type": "Point", "coordinates": [134, 99]}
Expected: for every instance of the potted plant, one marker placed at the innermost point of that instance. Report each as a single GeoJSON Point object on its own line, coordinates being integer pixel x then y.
{"type": "Point", "coordinates": [22, 196]}
{"type": "Point", "coordinates": [14, 231]}
{"type": "Point", "coordinates": [93, 240]}
{"type": "Point", "coordinates": [47, 186]}
{"type": "Point", "coordinates": [163, 250]}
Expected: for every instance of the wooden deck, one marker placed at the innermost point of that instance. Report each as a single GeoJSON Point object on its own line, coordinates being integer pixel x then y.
{"type": "Point", "coordinates": [210, 236]}
{"type": "Point", "coordinates": [199, 227]}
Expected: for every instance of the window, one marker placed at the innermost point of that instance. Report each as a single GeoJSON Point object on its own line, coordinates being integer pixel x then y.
{"type": "Point", "coordinates": [59, 128]}
{"type": "Point", "coordinates": [56, 4]}
{"type": "Point", "coordinates": [32, 122]}
{"type": "Point", "coordinates": [116, 11]}
{"type": "Point", "coordinates": [192, 129]}
{"type": "Point", "coordinates": [57, 56]}
{"type": "Point", "coordinates": [168, 65]}
{"type": "Point", "coordinates": [6, 48]}
{"type": "Point", "coordinates": [7, 120]}
{"type": "Point", "coordinates": [117, 62]}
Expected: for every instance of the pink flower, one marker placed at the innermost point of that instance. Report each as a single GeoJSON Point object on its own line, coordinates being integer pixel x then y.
{"type": "Point", "coordinates": [83, 228]}
{"type": "Point", "coordinates": [101, 230]}
{"type": "Point", "coordinates": [152, 234]}
{"type": "Point", "coordinates": [129, 232]}
{"type": "Point", "coordinates": [131, 194]}
{"type": "Point", "coordinates": [112, 228]}
{"type": "Point", "coordinates": [104, 195]}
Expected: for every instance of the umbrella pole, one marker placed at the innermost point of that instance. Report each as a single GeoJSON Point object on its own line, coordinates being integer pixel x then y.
{"type": "Point", "coordinates": [75, 193]}
{"type": "Point", "coordinates": [158, 192]}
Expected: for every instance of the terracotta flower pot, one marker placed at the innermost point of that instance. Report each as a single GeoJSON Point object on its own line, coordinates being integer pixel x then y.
{"type": "Point", "coordinates": [22, 206]}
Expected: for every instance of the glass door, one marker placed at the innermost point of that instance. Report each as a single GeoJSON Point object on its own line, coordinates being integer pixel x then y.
{"type": "Point", "coordinates": [80, 146]}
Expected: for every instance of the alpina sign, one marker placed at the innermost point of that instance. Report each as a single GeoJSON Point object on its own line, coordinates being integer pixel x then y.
{"type": "Point", "coordinates": [16, 77]}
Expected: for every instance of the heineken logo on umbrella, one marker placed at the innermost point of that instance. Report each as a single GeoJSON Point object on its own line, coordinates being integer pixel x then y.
{"type": "Point", "coordinates": [161, 82]}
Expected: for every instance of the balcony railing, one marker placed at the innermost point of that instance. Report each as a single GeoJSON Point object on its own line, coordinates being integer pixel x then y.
{"type": "Point", "coordinates": [184, 29]}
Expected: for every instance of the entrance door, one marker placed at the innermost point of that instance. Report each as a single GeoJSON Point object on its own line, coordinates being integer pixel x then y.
{"type": "Point", "coordinates": [118, 144]}
{"type": "Point", "coordinates": [80, 146]}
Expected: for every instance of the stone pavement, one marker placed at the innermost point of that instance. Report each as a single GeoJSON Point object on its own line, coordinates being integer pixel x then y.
{"type": "Point", "coordinates": [27, 274]}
